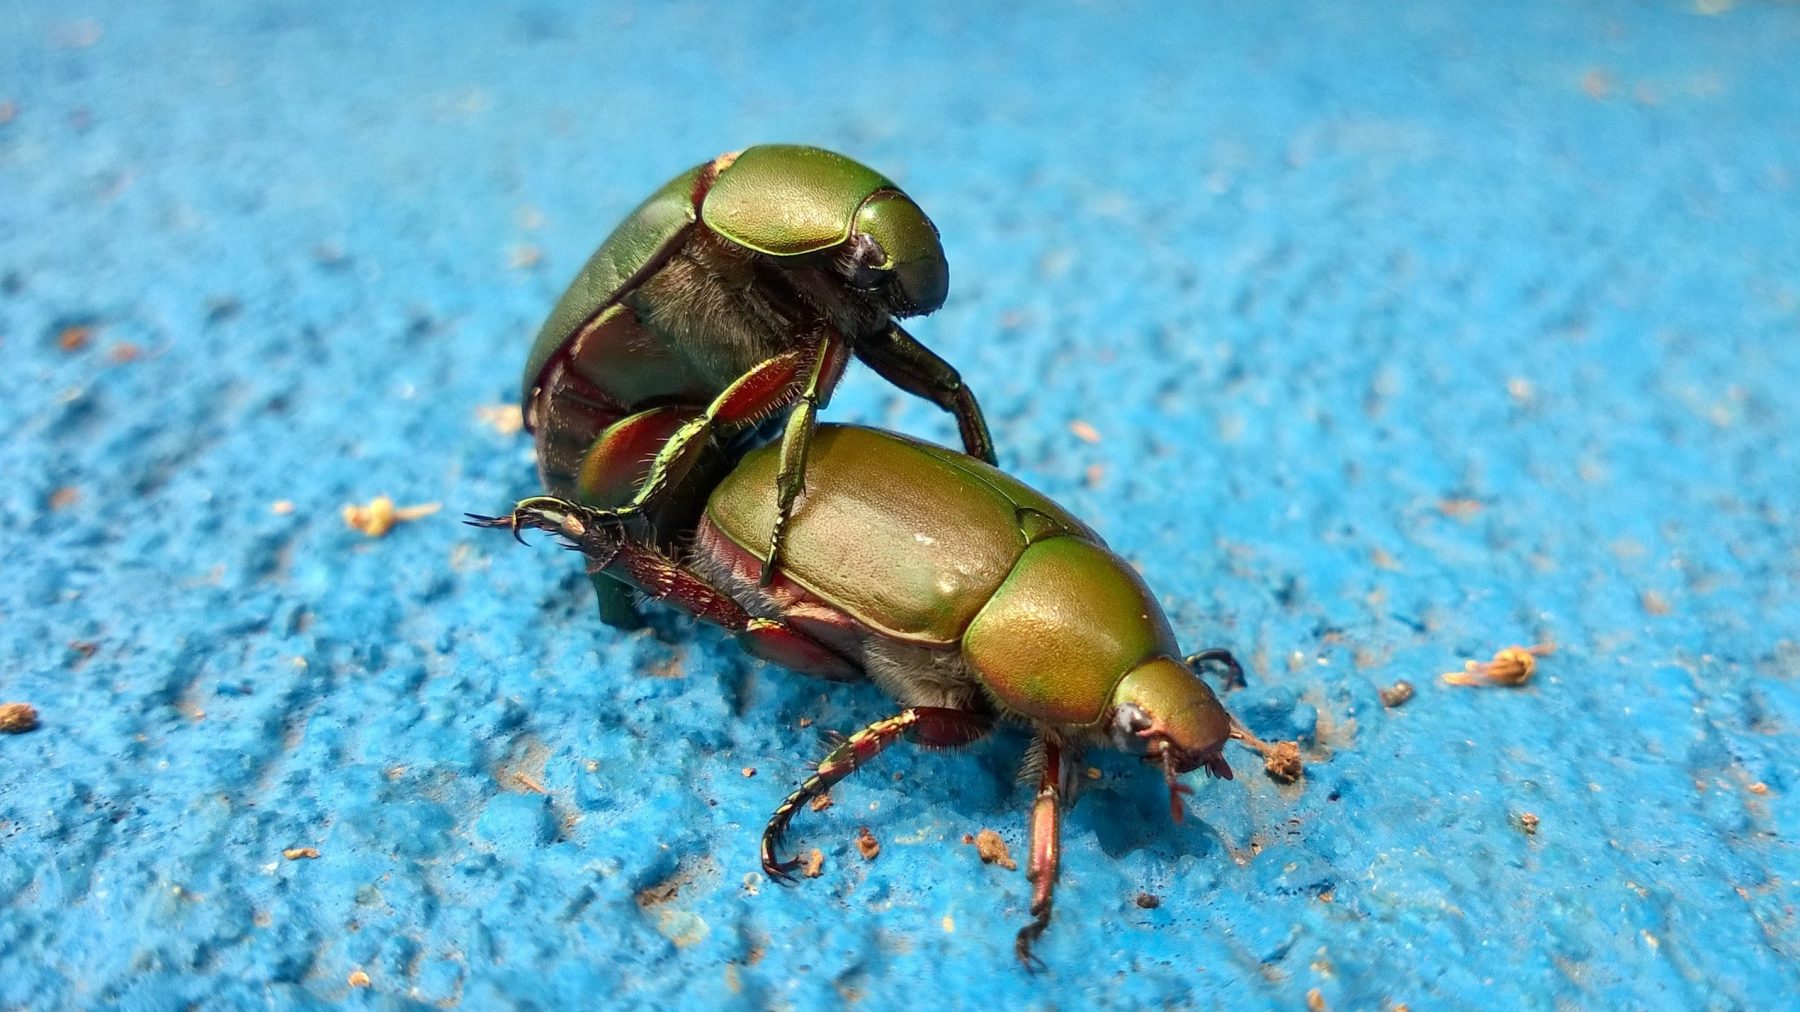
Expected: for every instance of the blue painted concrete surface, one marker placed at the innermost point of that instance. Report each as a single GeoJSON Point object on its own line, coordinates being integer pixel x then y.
{"type": "Point", "coordinates": [1407, 333]}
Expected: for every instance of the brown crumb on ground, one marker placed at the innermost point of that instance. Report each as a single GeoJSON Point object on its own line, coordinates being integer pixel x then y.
{"type": "Point", "coordinates": [1084, 432]}
{"type": "Point", "coordinates": [1654, 603]}
{"type": "Point", "coordinates": [1146, 901]}
{"type": "Point", "coordinates": [1396, 694]}
{"type": "Point", "coordinates": [123, 352]}
{"type": "Point", "coordinates": [1460, 509]}
{"type": "Point", "coordinates": [815, 863]}
{"type": "Point", "coordinates": [1529, 823]}
{"type": "Point", "coordinates": [992, 849]}
{"type": "Point", "coordinates": [83, 649]}
{"type": "Point", "coordinates": [1315, 1001]}
{"type": "Point", "coordinates": [867, 844]}
{"type": "Point", "coordinates": [359, 979]}
{"type": "Point", "coordinates": [1758, 788]}
{"type": "Point", "coordinates": [1512, 666]}
{"type": "Point", "coordinates": [74, 338]}
{"type": "Point", "coordinates": [525, 780]}
{"type": "Point", "coordinates": [379, 515]}
{"type": "Point", "coordinates": [282, 507]}
{"type": "Point", "coordinates": [65, 497]}
{"type": "Point", "coordinates": [820, 803]}
{"type": "Point", "coordinates": [1283, 763]}
{"type": "Point", "coordinates": [805, 722]}
{"type": "Point", "coordinates": [749, 771]}
{"type": "Point", "coordinates": [505, 419]}
{"type": "Point", "coordinates": [1093, 773]}
{"type": "Point", "coordinates": [17, 718]}
{"type": "Point", "coordinates": [301, 853]}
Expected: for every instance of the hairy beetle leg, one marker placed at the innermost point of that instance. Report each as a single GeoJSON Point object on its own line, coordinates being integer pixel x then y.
{"type": "Point", "coordinates": [931, 726]}
{"type": "Point", "coordinates": [1046, 849]}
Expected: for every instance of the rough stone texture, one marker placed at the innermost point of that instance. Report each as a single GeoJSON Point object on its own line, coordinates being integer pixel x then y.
{"type": "Point", "coordinates": [1407, 334]}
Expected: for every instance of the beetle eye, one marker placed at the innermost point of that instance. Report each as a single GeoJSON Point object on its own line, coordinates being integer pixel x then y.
{"type": "Point", "coordinates": [1128, 725]}
{"type": "Point", "coordinates": [865, 263]}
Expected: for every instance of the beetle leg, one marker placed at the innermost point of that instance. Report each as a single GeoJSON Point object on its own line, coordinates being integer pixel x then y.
{"type": "Point", "coordinates": [1221, 658]}
{"type": "Point", "coordinates": [1046, 848]}
{"type": "Point", "coordinates": [790, 479]}
{"type": "Point", "coordinates": [931, 726]}
{"type": "Point", "coordinates": [901, 360]}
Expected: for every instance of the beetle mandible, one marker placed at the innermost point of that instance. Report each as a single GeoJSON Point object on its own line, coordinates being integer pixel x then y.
{"type": "Point", "coordinates": [964, 594]}
{"type": "Point", "coordinates": [737, 290]}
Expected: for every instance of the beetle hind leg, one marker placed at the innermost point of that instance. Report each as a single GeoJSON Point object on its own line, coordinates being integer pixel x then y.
{"type": "Point", "coordinates": [932, 726]}
{"type": "Point", "coordinates": [1046, 847]}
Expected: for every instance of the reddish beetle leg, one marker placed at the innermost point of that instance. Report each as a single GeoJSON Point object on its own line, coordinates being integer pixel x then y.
{"type": "Point", "coordinates": [931, 726]}
{"type": "Point", "coordinates": [1046, 849]}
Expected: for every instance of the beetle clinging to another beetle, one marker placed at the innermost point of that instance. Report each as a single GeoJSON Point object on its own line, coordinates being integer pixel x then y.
{"type": "Point", "coordinates": [968, 597]}
{"type": "Point", "coordinates": [739, 289]}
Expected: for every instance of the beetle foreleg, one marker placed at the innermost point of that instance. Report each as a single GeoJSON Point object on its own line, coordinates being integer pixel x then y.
{"type": "Point", "coordinates": [901, 360]}
{"type": "Point", "coordinates": [1046, 849]}
{"type": "Point", "coordinates": [796, 439]}
{"type": "Point", "coordinates": [932, 726]}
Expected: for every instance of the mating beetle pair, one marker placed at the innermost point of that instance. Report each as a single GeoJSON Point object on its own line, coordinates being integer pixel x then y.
{"type": "Point", "coordinates": [738, 289]}
{"type": "Point", "coordinates": [968, 597]}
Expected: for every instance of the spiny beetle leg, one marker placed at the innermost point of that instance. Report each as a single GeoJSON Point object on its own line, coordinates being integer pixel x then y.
{"type": "Point", "coordinates": [1221, 658]}
{"type": "Point", "coordinates": [822, 377]}
{"type": "Point", "coordinates": [1046, 849]}
{"type": "Point", "coordinates": [932, 726]}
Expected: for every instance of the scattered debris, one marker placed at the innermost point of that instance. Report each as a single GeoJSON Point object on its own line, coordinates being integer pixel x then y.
{"type": "Point", "coordinates": [1093, 773]}
{"type": "Point", "coordinates": [1460, 509]}
{"type": "Point", "coordinates": [1145, 901]}
{"type": "Point", "coordinates": [83, 649]}
{"type": "Point", "coordinates": [74, 338]}
{"type": "Point", "coordinates": [805, 722]}
{"type": "Point", "coordinates": [992, 849]}
{"type": "Point", "coordinates": [281, 507]}
{"type": "Point", "coordinates": [526, 781]}
{"type": "Point", "coordinates": [815, 863]}
{"type": "Point", "coordinates": [17, 718]}
{"type": "Point", "coordinates": [1511, 666]}
{"type": "Point", "coordinates": [1758, 788]}
{"type": "Point", "coordinates": [749, 771]}
{"type": "Point", "coordinates": [301, 853]}
{"type": "Point", "coordinates": [64, 497]}
{"type": "Point", "coordinates": [359, 979]}
{"type": "Point", "coordinates": [1529, 823]}
{"type": "Point", "coordinates": [505, 419]}
{"type": "Point", "coordinates": [1396, 694]}
{"type": "Point", "coordinates": [821, 802]}
{"type": "Point", "coordinates": [123, 352]}
{"type": "Point", "coordinates": [1654, 603]}
{"type": "Point", "coordinates": [1281, 761]}
{"type": "Point", "coordinates": [867, 844]}
{"type": "Point", "coordinates": [1315, 1000]}
{"type": "Point", "coordinates": [380, 515]}
{"type": "Point", "coordinates": [1084, 432]}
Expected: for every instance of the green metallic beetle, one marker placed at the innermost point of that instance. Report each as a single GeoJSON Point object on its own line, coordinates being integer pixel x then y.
{"type": "Point", "coordinates": [737, 290]}
{"type": "Point", "coordinates": [964, 594]}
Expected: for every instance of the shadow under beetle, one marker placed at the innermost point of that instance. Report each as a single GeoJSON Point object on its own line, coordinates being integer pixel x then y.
{"type": "Point", "coordinates": [737, 290]}
{"type": "Point", "coordinates": [964, 594]}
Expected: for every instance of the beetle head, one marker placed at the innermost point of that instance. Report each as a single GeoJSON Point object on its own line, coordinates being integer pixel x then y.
{"type": "Point", "coordinates": [894, 253]}
{"type": "Point", "coordinates": [1164, 712]}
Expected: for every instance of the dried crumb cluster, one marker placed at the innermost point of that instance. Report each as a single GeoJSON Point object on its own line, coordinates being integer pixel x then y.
{"type": "Point", "coordinates": [17, 718]}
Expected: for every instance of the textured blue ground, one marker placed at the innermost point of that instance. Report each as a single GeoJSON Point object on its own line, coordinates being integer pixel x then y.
{"type": "Point", "coordinates": [1408, 333]}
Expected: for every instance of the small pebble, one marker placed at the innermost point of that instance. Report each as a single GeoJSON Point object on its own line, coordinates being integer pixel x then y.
{"type": "Point", "coordinates": [1397, 693]}
{"type": "Point", "coordinates": [17, 718]}
{"type": "Point", "coordinates": [992, 848]}
{"type": "Point", "coordinates": [1148, 902]}
{"type": "Point", "coordinates": [359, 979]}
